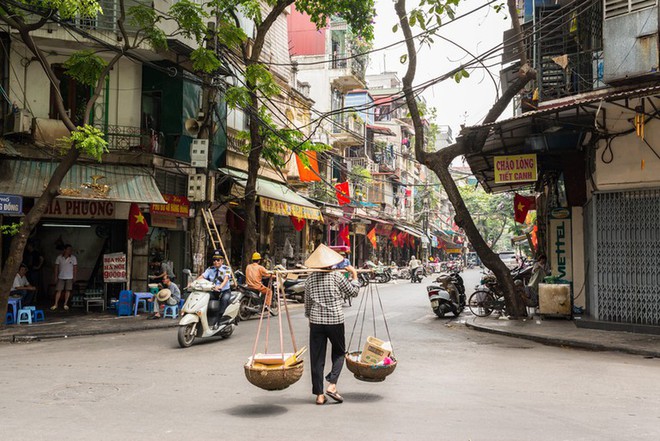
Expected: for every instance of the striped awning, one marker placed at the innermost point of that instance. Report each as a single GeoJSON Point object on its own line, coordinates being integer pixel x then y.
{"type": "Point", "coordinates": [117, 183]}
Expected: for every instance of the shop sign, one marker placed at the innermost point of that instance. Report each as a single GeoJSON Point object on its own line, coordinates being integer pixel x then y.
{"type": "Point", "coordinates": [453, 250]}
{"type": "Point", "coordinates": [163, 221]}
{"type": "Point", "coordinates": [286, 209]}
{"type": "Point", "coordinates": [11, 204]}
{"type": "Point", "coordinates": [75, 209]}
{"type": "Point", "coordinates": [383, 229]}
{"type": "Point", "coordinates": [560, 244]}
{"type": "Point", "coordinates": [177, 206]}
{"type": "Point", "coordinates": [515, 168]}
{"type": "Point", "coordinates": [114, 267]}
{"type": "Point", "coordinates": [360, 228]}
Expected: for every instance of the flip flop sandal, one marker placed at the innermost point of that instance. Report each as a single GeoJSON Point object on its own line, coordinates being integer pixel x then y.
{"type": "Point", "coordinates": [335, 396]}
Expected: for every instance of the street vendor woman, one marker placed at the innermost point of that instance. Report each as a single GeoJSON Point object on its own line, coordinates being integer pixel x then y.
{"type": "Point", "coordinates": [324, 296]}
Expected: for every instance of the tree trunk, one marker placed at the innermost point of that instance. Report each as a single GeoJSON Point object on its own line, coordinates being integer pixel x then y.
{"type": "Point", "coordinates": [30, 221]}
{"type": "Point", "coordinates": [250, 200]}
{"type": "Point", "coordinates": [440, 161]}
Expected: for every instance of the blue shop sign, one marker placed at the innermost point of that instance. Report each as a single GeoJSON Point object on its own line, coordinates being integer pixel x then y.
{"type": "Point", "coordinates": [11, 204]}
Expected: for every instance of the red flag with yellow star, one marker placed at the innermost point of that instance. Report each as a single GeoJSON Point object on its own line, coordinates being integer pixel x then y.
{"type": "Point", "coordinates": [137, 224]}
{"type": "Point", "coordinates": [521, 205]}
{"type": "Point", "coordinates": [371, 235]}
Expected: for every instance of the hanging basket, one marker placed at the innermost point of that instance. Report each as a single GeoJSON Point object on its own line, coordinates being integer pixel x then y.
{"type": "Point", "coordinates": [274, 378]}
{"type": "Point", "coordinates": [368, 372]}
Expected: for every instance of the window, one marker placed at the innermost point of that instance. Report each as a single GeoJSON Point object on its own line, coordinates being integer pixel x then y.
{"type": "Point", "coordinates": [614, 8]}
{"type": "Point", "coordinates": [74, 94]}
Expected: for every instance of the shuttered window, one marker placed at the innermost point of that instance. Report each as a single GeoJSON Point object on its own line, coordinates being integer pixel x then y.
{"type": "Point", "coordinates": [614, 8]}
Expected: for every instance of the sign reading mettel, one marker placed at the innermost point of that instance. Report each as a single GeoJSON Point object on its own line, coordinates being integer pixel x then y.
{"type": "Point", "coordinates": [516, 168]}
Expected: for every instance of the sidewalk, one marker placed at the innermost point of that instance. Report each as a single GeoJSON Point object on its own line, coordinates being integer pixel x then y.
{"type": "Point", "coordinates": [563, 332]}
{"type": "Point", "coordinates": [61, 324]}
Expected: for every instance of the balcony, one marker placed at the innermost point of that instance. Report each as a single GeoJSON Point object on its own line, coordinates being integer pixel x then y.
{"type": "Point", "coordinates": [347, 130]}
{"type": "Point", "coordinates": [347, 73]}
{"type": "Point", "coordinates": [128, 138]}
{"type": "Point", "coordinates": [107, 21]}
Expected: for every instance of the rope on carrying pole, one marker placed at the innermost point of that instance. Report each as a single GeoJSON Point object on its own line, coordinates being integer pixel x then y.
{"type": "Point", "coordinates": [359, 308]}
{"type": "Point", "coordinates": [280, 288]}
{"type": "Point", "coordinates": [387, 328]}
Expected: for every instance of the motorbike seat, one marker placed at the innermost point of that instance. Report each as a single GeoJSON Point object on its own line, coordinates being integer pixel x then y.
{"type": "Point", "coordinates": [434, 287]}
{"type": "Point", "coordinates": [443, 278]}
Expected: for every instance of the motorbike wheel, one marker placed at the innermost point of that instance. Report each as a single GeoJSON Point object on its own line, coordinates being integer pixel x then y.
{"type": "Point", "coordinates": [364, 281]}
{"type": "Point", "coordinates": [482, 303]}
{"type": "Point", "coordinates": [243, 312]}
{"type": "Point", "coordinates": [186, 335]}
{"type": "Point", "coordinates": [381, 278]}
{"type": "Point", "coordinates": [229, 330]}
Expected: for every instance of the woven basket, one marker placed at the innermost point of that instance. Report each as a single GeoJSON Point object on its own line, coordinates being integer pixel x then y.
{"type": "Point", "coordinates": [274, 379]}
{"type": "Point", "coordinates": [368, 372]}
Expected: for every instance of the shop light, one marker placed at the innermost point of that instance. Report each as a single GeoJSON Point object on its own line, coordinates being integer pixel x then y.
{"type": "Point", "coordinates": [67, 225]}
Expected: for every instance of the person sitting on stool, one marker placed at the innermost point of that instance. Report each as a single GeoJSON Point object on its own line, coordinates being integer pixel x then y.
{"type": "Point", "coordinates": [22, 287]}
{"type": "Point", "coordinates": [170, 295]}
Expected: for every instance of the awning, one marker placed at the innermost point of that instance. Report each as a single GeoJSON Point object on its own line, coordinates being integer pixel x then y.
{"type": "Point", "coordinates": [117, 183]}
{"type": "Point", "coordinates": [410, 230]}
{"type": "Point", "coordinates": [277, 198]}
{"type": "Point", "coordinates": [381, 130]}
{"type": "Point", "coordinates": [550, 132]}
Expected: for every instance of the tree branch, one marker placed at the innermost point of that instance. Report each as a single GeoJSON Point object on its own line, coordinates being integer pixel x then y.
{"type": "Point", "coordinates": [264, 27]}
{"type": "Point", "coordinates": [515, 20]}
{"type": "Point", "coordinates": [99, 86]}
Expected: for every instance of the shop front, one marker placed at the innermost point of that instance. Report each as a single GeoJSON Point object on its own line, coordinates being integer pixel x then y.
{"type": "Point", "coordinates": [90, 215]}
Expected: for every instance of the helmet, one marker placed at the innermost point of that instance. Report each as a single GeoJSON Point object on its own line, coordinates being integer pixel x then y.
{"type": "Point", "coordinates": [256, 256]}
{"type": "Point", "coordinates": [217, 254]}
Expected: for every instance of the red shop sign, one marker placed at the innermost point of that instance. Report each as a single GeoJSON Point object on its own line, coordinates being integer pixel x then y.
{"type": "Point", "coordinates": [178, 206]}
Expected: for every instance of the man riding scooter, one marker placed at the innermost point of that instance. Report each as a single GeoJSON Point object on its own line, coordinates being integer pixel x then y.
{"type": "Point", "coordinates": [220, 275]}
{"type": "Point", "coordinates": [254, 276]}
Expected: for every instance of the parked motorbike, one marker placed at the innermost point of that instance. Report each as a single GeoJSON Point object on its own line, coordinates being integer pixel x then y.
{"type": "Point", "coordinates": [252, 301]}
{"type": "Point", "coordinates": [417, 275]}
{"type": "Point", "coordinates": [201, 314]}
{"type": "Point", "coordinates": [447, 294]}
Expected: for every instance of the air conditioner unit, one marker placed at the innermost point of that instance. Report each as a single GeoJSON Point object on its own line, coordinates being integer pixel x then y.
{"type": "Point", "coordinates": [630, 41]}
{"type": "Point", "coordinates": [22, 122]}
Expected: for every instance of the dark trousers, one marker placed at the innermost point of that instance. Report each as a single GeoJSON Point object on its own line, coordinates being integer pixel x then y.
{"type": "Point", "coordinates": [318, 342]}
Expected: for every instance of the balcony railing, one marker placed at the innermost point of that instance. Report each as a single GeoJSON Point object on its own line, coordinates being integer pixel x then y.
{"type": "Point", "coordinates": [348, 124]}
{"type": "Point", "coordinates": [356, 65]}
{"type": "Point", "coordinates": [132, 138]}
{"type": "Point", "coordinates": [107, 20]}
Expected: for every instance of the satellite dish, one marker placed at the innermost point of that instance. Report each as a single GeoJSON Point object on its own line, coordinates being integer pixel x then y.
{"type": "Point", "coordinates": [192, 126]}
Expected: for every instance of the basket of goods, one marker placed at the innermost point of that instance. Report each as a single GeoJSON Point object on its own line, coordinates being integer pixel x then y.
{"type": "Point", "coordinates": [270, 370]}
{"type": "Point", "coordinates": [375, 360]}
{"type": "Point", "coordinates": [275, 371]}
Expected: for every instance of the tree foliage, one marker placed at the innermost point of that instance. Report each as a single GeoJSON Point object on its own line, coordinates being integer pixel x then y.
{"type": "Point", "coordinates": [493, 214]}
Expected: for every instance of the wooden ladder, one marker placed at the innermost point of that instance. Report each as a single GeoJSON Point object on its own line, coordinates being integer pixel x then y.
{"type": "Point", "coordinates": [216, 238]}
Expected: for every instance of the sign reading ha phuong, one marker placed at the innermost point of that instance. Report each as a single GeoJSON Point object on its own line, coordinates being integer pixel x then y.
{"type": "Point", "coordinates": [11, 204]}
{"type": "Point", "coordinates": [515, 168]}
{"type": "Point", "coordinates": [114, 267]}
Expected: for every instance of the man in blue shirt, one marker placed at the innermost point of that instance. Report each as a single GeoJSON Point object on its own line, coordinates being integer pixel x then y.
{"type": "Point", "coordinates": [220, 275]}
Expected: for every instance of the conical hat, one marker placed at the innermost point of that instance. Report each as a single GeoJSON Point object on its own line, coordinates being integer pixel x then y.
{"type": "Point", "coordinates": [323, 257]}
{"type": "Point", "coordinates": [163, 295]}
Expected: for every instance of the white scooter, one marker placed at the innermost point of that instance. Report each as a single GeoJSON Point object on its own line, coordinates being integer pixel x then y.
{"type": "Point", "coordinates": [200, 314]}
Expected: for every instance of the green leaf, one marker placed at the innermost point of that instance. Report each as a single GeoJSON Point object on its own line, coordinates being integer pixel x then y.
{"type": "Point", "coordinates": [205, 60]}
{"type": "Point", "coordinates": [395, 28]}
{"type": "Point", "coordinates": [413, 19]}
{"type": "Point", "coordinates": [403, 58]}
{"type": "Point", "coordinates": [85, 67]}
{"type": "Point", "coordinates": [87, 139]}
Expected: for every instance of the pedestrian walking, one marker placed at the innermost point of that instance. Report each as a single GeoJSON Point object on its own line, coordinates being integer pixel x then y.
{"type": "Point", "coordinates": [324, 297]}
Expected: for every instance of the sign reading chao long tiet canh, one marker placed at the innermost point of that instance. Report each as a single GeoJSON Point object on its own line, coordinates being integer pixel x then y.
{"type": "Point", "coordinates": [516, 168]}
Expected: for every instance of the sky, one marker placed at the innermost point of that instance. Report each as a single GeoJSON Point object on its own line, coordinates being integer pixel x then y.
{"type": "Point", "coordinates": [466, 102]}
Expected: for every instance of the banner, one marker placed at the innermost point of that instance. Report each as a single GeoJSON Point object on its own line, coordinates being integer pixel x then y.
{"type": "Point", "coordinates": [521, 205]}
{"type": "Point", "coordinates": [371, 235]}
{"type": "Point", "coordinates": [560, 243]}
{"type": "Point", "coordinates": [343, 193]}
{"type": "Point", "coordinates": [178, 206]}
{"type": "Point", "coordinates": [286, 209]}
{"type": "Point", "coordinates": [311, 173]}
{"type": "Point", "coordinates": [114, 267]}
{"type": "Point", "coordinates": [137, 224]}
{"type": "Point", "coordinates": [11, 204]}
{"type": "Point", "coordinates": [515, 168]}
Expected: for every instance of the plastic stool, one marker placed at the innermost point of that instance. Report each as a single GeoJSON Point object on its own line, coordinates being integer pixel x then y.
{"type": "Point", "coordinates": [9, 320]}
{"type": "Point", "coordinates": [38, 315]}
{"type": "Point", "coordinates": [171, 311]}
{"type": "Point", "coordinates": [142, 302]}
{"type": "Point", "coordinates": [24, 316]}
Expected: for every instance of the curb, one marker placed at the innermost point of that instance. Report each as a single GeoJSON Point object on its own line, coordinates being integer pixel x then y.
{"type": "Point", "coordinates": [562, 342]}
{"type": "Point", "coordinates": [27, 338]}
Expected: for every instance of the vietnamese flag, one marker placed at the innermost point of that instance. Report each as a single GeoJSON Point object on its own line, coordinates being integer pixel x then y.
{"type": "Point", "coordinates": [343, 193]}
{"type": "Point", "coordinates": [371, 235]}
{"type": "Point", "coordinates": [521, 205]}
{"type": "Point", "coordinates": [311, 173]}
{"type": "Point", "coordinates": [344, 235]}
{"type": "Point", "coordinates": [137, 224]}
{"type": "Point", "coordinates": [394, 238]}
{"type": "Point", "coordinates": [298, 223]}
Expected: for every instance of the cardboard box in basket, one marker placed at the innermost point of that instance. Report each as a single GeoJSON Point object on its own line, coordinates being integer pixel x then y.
{"type": "Point", "coordinates": [375, 351]}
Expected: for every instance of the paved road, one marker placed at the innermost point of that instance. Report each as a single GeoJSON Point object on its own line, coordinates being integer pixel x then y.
{"type": "Point", "coordinates": [451, 384]}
